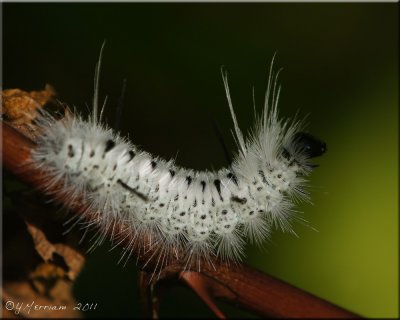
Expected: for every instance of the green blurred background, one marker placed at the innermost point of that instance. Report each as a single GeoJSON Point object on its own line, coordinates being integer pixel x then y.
{"type": "Point", "coordinates": [340, 68]}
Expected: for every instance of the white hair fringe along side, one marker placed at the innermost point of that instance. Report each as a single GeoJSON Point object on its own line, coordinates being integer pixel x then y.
{"type": "Point", "coordinates": [193, 214]}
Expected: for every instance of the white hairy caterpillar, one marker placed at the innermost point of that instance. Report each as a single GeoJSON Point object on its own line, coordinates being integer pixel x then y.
{"type": "Point", "coordinates": [191, 214]}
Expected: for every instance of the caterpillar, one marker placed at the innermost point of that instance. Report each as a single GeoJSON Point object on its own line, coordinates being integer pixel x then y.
{"type": "Point", "coordinates": [191, 214]}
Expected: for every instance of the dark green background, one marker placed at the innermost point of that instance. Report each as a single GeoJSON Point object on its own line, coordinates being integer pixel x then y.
{"type": "Point", "coordinates": [340, 68]}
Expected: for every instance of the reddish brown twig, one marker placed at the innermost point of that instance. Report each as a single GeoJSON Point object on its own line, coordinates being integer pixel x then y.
{"type": "Point", "coordinates": [205, 288]}
{"type": "Point", "coordinates": [239, 284]}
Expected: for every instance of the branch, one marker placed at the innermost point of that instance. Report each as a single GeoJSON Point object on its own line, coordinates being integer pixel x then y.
{"type": "Point", "coordinates": [239, 284]}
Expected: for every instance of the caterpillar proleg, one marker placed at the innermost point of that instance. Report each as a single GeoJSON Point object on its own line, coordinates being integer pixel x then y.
{"type": "Point", "coordinates": [191, 214]}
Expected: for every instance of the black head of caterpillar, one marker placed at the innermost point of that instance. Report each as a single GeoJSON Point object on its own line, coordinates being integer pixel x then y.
{"type": "Point", "coordinates": [310, 145]}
